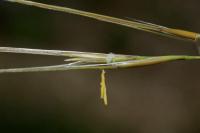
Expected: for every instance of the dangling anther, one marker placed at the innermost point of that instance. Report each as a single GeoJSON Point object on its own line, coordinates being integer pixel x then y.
{"type": "Point", "coordinates": [103, 88]}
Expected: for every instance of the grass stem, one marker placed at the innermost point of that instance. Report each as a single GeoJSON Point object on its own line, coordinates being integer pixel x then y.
{"type": "Point", "coordinates": [87, 60]}
{"type": "Point", "coordinates": [140, 25]}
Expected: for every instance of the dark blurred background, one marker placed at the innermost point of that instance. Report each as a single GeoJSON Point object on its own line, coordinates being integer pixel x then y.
{"type": "Point", "coordinates": [162, 98]}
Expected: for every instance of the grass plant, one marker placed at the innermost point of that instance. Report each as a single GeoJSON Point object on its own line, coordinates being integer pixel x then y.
{"type": "Point", "coordinates": [76, 60]}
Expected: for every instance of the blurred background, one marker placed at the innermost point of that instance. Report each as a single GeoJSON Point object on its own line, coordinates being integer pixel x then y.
{"type": "Point", "coordinates": [162, 98]}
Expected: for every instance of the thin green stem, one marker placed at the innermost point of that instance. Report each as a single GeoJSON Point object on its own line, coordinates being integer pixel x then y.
{"type": "Point", "coordinates": [88, 60]}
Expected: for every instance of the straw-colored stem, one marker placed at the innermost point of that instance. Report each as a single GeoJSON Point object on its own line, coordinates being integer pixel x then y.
{"type": "Point", "coordinates": [140, 25]}
{"type": "Point", "coordinates": [73, 55]}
